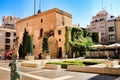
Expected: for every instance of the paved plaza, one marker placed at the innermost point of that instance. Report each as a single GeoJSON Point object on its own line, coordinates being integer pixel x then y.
{"type": "Point", "coordinates": [47, 74]}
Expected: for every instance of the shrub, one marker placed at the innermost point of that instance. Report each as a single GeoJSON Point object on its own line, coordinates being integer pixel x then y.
{"type": "Point", "coordinates": [64, 64]}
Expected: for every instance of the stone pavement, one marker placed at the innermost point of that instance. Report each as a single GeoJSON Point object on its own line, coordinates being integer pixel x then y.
{"type": "Point", "coordinates": [46, 74]}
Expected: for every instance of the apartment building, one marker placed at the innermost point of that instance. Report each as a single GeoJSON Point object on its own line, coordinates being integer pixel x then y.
{"type": "Point", "coordinates": [7, 40]}
{"type": "Point", "coordinates": [9, 22]}
{"type": "Point", "coordinates": [104, 23]}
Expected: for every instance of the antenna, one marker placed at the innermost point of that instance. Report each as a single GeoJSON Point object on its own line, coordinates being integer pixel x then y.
{"type": "Point", "coordinates": [39, 11]}
{"type": "Point", "coordinates": [111, 9]}
{"type": "Point", "coordinates": [105, 8]}
{"type": "Point", "coordinates": [102, 5]}
{"type": "Point", "coordinates": [34, 6]}
{"type": "Point", "coordinates": [14, 12]}
{"type": "Point", "coordinates": [39, 4]}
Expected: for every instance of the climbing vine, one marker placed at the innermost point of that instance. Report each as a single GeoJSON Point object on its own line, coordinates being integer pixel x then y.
{"type": "Point", "coordinates": [78, 40]}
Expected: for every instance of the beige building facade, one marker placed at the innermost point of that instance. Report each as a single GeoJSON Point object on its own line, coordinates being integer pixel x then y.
{"type": "Point", "coordinates": [111, 30]}
{"type": "Point", "coordinates": [118, 29]}
{"type": "Point", "coordinates": [9, 22]}
{"type": "Point", "coordinates": [45, 23]}
{"type": "Point", "coordinates": [98, 24]}
{"type": "Point", "coordinates": [105, 24]}
{"type": "Point", "coordinates": [7, 40]}
{"type": "Point", "coordinates": [7, 33]}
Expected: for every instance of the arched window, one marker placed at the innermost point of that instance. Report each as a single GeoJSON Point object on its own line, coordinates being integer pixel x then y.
{"type": "Point", "coordinates": [41, 20]}
{"type": "Point", "coordinates": [41, 33]}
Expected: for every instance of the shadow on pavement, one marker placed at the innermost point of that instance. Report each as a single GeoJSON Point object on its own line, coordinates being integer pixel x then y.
{"type": "Point", "coordinates": [105, 77]}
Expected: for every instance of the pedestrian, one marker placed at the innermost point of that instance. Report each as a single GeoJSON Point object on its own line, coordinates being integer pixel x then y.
{"type": "Point", "coordinates": [14, 74]}
{"type": "Point", "coordinates": [6, 55]}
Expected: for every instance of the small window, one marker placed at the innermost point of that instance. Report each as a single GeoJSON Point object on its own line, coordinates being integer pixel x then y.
{"type": "Point", "coordinates": [96, 20]}
{"type": "Point", "coordinates": [7, 40]}
{"type": "Point", "coordinates": [59, 32]}
{"type": "Point", "coordinates": [8, 34]}
{"type": "Point", "coordinates": [7, 47]}
{"type": "Point", "coordinates": [14, 34]}
{"type": "Point", "coordinates": [59, 40]}
{"type": "Point", "coordinates": [41, 33]}
{"type": "Point", "coordinates": [101, 19]}
{"type": "Point", "coordinates": [111, 29]}
{"type": "Point", "coordinates": [14, 40]}
{"type": "Point", "coordinates": [111, 37]}
{"type": "Point", "coordinates": [101, 26]}
{"type": "Point", "coordinates": [41, 20]}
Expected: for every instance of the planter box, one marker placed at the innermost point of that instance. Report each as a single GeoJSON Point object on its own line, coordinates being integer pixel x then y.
{"type": "Point", "coordinates": [25, 64]}
{"type": "Point", "coordinates": [52, 66]}
{"type": "Point", "coordinates": [29, 57]}
{"type": "Point", "coordinates": [104, 70]}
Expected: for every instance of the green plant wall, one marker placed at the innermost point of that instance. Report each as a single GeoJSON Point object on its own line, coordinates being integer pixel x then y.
{"type": "Point", "coordinates": [68, 39]}
{"type": "Point", "coordinates": [78, 41]}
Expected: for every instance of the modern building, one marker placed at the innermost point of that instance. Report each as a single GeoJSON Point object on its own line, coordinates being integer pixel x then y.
{"type": "Point", "coordinates": [104, 23]}
{"type": "Point", "coordinates": [9, 22]}
{"type": "Point", "coordinates": [7, 40]}
{"type": "Point", "coordinates": [7, 33]}
{"type": "Point", "coordinates": [52, 23]}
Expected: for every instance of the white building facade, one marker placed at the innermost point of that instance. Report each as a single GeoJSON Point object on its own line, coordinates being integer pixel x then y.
{"type": "Point", "coordinates": [7, 40]}
{"type": "Point", "coordinates": [103, 22]}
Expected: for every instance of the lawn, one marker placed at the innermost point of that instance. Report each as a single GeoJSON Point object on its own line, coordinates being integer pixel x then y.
{"type": "Point", "coordinates": [64, 64]}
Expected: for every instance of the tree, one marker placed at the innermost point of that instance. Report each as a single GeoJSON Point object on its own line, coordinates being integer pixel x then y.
{"type": "Point", "coordinates": [21, 51]}
{"type": "Point", "coordinates": [25, 34]}
{"type": "Point", "coordinates": [27, 45]}
{"type": "Point", "coordinates": [22, 47]}
{"type": "Point", "coordinates": [45, 45]}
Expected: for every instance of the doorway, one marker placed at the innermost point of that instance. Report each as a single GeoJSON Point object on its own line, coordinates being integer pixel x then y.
{"type": "Point", "coordinates": [60, 52]}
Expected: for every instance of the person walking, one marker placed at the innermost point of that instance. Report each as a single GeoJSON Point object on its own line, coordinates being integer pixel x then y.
{"type": "Point", "coordinates": [14, 74]}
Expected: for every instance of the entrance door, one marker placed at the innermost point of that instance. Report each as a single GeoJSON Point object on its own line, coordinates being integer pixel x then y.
{"type": "Point", "coordinates": [60, 52]}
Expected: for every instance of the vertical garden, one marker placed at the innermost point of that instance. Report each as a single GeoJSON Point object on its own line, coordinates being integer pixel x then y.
{"type": "Point", "coordinates": [79, 40]}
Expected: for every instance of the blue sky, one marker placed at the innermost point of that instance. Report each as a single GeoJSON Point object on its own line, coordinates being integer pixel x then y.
{"type": "Point", "coordinates": [81, 10]}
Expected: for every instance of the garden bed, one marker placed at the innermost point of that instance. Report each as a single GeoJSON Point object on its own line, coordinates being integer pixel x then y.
{"type": "Point", "coordinates": [64, 64]}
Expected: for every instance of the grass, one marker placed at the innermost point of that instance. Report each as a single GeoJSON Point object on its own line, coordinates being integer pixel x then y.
{"type": "Point", "coordinates": [64, 64]}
